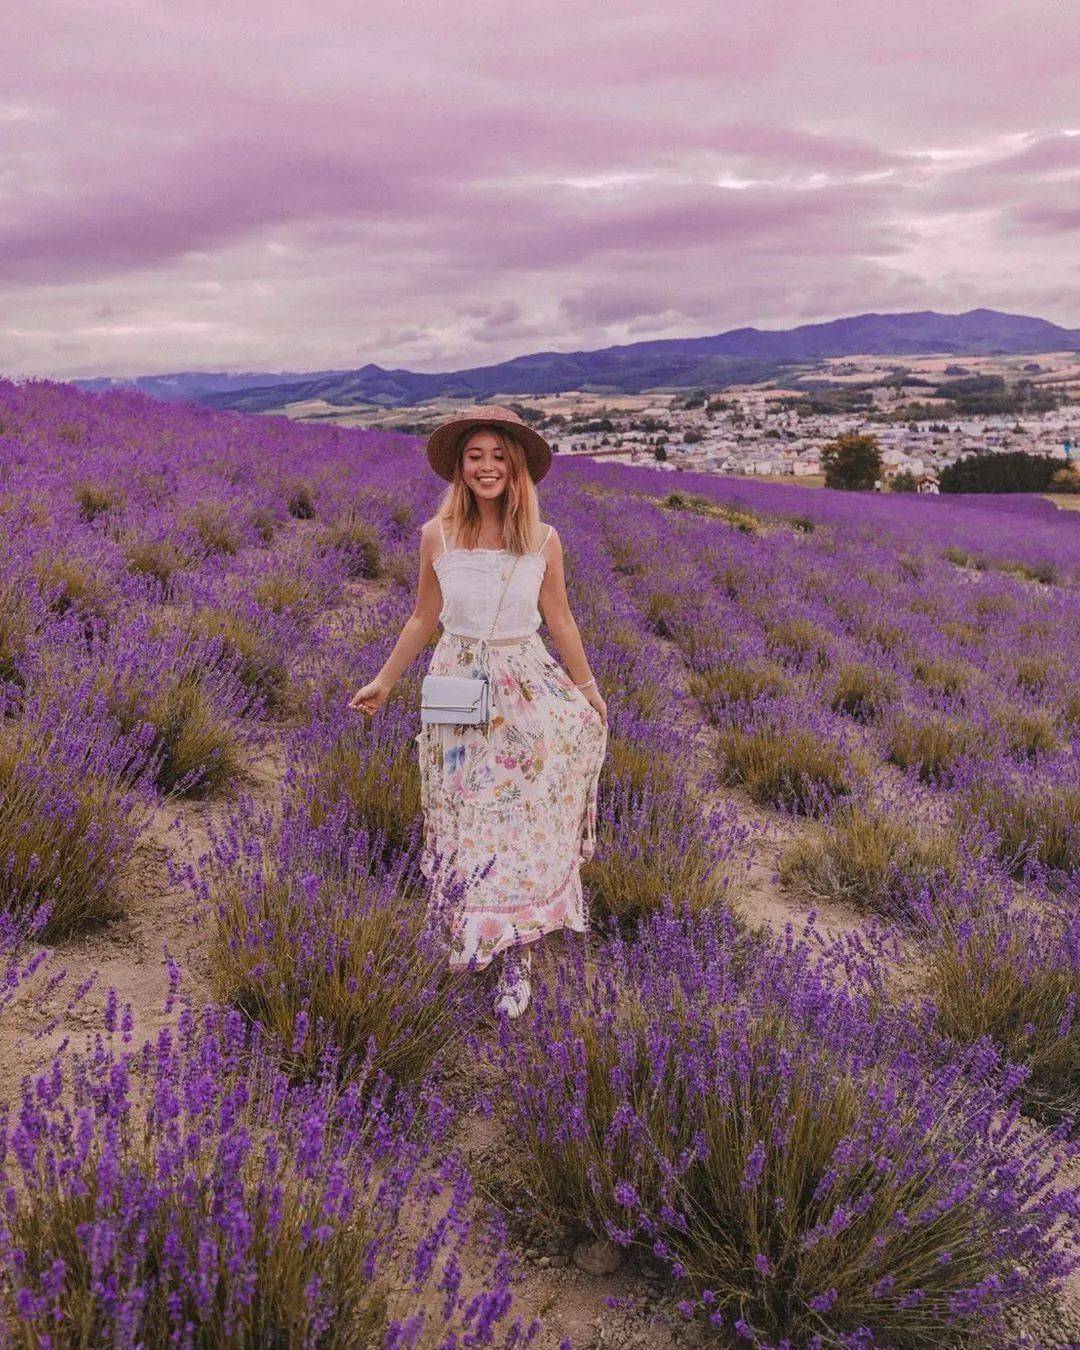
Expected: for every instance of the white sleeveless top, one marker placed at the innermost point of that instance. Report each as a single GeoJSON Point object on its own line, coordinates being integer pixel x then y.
{"type": "Point", "coordinates": [472, 579]}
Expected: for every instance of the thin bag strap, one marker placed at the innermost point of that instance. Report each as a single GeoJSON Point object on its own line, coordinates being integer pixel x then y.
{"type": "Point", "coordinates": [506, 583]}
{"type": "Point", "coordinates": [484, 642]}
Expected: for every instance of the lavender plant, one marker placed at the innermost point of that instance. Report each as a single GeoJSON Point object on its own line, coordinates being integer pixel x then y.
{"type": "Point", "coordinates": [186, 1193]}
{"type": "Point", "coordinates": [317, 942]}
{"type": "Point", "coordinates": [1011, 972]}
{"type": "Point", "coordinates": [72, 807]}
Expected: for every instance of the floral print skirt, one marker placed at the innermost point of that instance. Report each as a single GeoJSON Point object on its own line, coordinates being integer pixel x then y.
{"type": "Point", "coordinates": [510, 811]}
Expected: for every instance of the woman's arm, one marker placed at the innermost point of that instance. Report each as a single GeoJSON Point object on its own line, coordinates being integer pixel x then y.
{"type": "Point", "coordinates": [415, 632]}
{"type": "Point", "coordinates": [555, 606]}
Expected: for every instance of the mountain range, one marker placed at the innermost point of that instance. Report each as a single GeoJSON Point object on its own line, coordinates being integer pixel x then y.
{"type": "Point", "coordinates": [737, 356]}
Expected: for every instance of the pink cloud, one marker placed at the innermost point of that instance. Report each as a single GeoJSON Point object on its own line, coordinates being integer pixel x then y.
{"type": "Point", "coordinates": [438, 185]}
{"type": "Point", "coordinates": [1055, 154]}
{"type": "Point", "coordinates": [1051, 217]}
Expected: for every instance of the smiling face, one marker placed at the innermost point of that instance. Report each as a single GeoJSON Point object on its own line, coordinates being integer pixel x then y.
{"type": "Point", "coordinates": [484, 465]}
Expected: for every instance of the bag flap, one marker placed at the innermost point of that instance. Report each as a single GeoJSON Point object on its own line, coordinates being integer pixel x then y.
{"type": "Point", "coordinates": [452, 691]}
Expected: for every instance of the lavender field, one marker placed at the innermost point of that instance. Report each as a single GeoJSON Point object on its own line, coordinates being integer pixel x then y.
{"type": "Point", "coordinates": [815, 1073]}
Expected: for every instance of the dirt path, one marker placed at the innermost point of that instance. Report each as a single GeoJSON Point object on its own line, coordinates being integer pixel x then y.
{"type": "Point", "coordinates": [131, 953]}
{"type": "Point", "coordinates": [761, 899]}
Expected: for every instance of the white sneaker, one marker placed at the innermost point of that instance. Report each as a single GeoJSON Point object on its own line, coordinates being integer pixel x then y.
{"type": "Point", "coordinates": [515, 988]}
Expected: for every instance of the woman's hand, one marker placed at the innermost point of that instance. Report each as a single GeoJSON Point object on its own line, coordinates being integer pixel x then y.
{"type": "Point", "coordinates": [370, 698]}
{"type": "Point", "coordinates": [595, 697]}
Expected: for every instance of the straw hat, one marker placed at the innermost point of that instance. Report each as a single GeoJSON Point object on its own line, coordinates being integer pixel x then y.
{"type": "Point", "coordinates": [443, 440]}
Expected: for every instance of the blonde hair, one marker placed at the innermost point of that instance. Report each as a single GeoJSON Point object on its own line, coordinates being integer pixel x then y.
{"type": "Point", "coordinates": [460, 514]}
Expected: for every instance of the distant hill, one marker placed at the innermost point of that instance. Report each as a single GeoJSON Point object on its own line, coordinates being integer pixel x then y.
{"type": "Point", "coordinates": [190, 386]}
{"type": "Point", "coordinates": [740, 355]}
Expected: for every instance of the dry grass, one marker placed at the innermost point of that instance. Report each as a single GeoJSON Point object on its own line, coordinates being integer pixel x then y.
{"type": "Point", "coordinates": [74, 584]}
{"type": "Point", "coordinates": [361, 965]}
{"type": "Point", "coordinates": [66, 850]}
{"type": "Point", "coordinates": [160, 558]}
{"type": "Point", "coordinates": [196, 749]}
{"type": "Point", "coordinates": [863, 692]}
{"type": "Point", "coordinates": [644, 768]}
{"type": "Point", "coordinates": [1028, 731]}
{"type": "Point", "coordinates": [358, 543]}
{"type": "Point", "coordinates": [251, 650]}
{"type": "Point", "coordinates": [300, 499]}
{"type": "Point", "coordinates": [931, 743]}
{"type": "Point", "coordinates": [626, 886]}
{"type": "Point", "coordinates": [983, 984]}
{"type": "Point", "coordinates": [944, 677]}
{"type": "Point", "coordinates": [379, 786]}
{"type": "Point", "coordinates": [788, 767]}
{"type": "Point", "coordinates": [290, 589]}
{"type": "Point", "coordinates": [16, 629]}
{"type": "Point", "coordinates": [800, 639]}
{"type": "Point", "coordinates": [217, 530]}
{"type": "Point", "coordinates": [868, 857]}
{"type": "Point", "coordinates": [737, 681]}
{"type": "Point", "coordinates": [742, 518]}
{"type": "Point", "coordinates": [97, 499]}
{"type": "Point", "coordinates": [1030, 821]}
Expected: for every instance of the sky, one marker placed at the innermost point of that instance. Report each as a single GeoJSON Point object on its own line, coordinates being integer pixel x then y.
{"type": "Point", "coordinates": [289, 187]}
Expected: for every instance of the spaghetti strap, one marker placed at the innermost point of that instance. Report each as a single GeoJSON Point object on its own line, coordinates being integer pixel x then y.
{"type": "Point", "coordinates": [442, 535]}
{"type": "Point", "coordinates": [551, 531]}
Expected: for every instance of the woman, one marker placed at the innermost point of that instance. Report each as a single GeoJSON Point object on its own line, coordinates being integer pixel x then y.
{"type": "Point", "coordinates": [517, 798]}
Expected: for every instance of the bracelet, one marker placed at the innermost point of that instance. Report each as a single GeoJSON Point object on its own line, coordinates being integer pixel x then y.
{"type": "Point", "coordinates": [585, 683]}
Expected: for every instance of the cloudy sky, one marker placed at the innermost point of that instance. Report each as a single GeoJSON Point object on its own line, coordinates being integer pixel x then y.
{"type": "Point", "coordinates": [287, 186]}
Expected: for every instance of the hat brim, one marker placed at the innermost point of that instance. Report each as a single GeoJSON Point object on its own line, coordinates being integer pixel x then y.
{"type": "Point", "coordinates": [442, 443]}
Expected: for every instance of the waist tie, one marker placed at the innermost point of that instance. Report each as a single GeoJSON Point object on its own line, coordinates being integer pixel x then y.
{"type": "Point", "coordinates": [483, 645]}
{"type": "Point", "coordinates": [496, 642]}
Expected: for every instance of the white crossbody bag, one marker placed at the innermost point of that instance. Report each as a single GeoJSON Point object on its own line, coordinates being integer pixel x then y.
{"type": "Point", "coordinates": [461, 699]}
